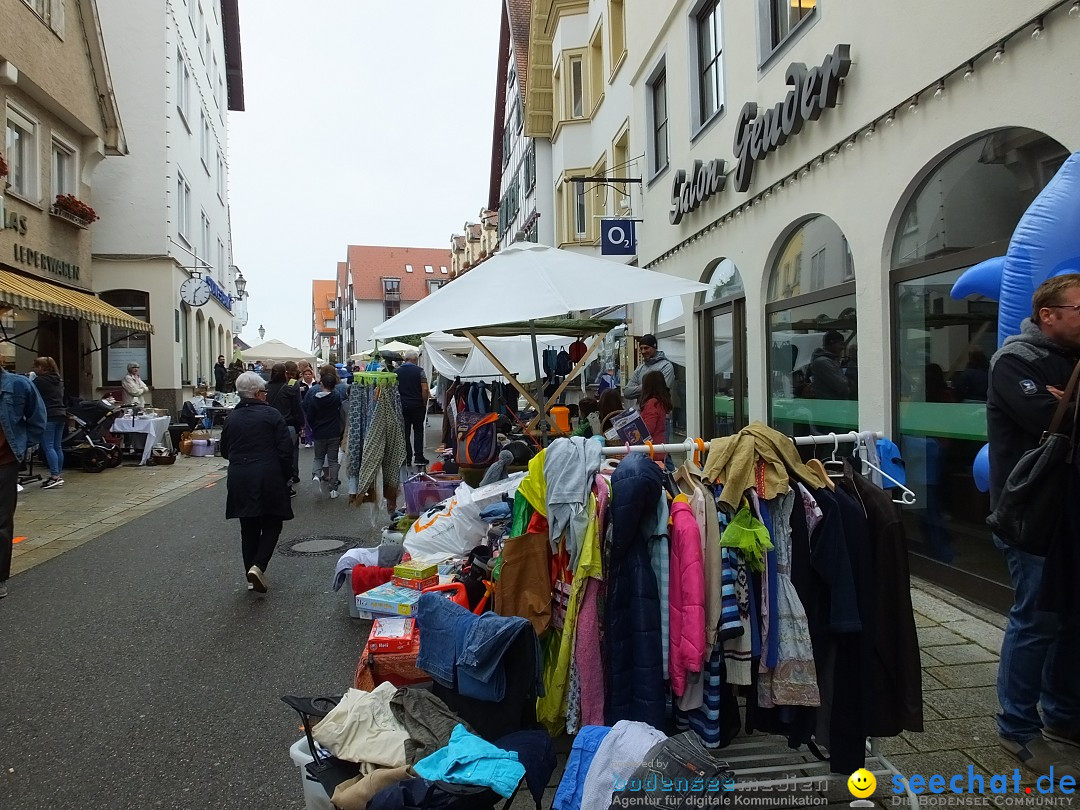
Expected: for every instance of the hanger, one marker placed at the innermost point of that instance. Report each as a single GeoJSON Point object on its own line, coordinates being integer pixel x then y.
{"type": "Point", "coordinates": [816, 465]}
{"type": "Point", "coordinates": [907, 497]}
{"type": "Point", "coordinates": [834, 467]}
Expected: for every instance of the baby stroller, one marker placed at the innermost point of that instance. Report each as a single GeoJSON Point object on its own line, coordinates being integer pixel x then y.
{"type": "Point", "coordinates": [85, 442]}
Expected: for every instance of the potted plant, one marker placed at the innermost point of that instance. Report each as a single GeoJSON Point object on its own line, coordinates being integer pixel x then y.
{"type": "Point", "coordinates": [70, 207]}
{"type": "Point", "coordinates": [3, 167]}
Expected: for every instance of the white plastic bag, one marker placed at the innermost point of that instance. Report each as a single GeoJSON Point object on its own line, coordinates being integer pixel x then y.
{"type": "Point", "coordinates": [471, 502]}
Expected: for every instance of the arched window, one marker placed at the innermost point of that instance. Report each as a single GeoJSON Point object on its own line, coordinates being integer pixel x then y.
{"type": "Point", "coordinates": [122, 346]}
{"type": "Point", "coordinates": [964, 211]}
{"type": "Point", "coordinates": [721, 314]}
{"type": "Point", "coordinates": [812, 331]}
{"type": "Point", "coordinates": [182, 316]}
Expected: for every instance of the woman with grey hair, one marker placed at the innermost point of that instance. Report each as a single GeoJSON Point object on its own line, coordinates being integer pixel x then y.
{"type": "Point", "coordinates": [257, 445]}
{"type": "Point", "coordinates": [135, 390]}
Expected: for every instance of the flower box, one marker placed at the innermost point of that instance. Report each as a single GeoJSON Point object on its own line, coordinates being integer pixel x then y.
{"type": "Point", "coordinates": [67, 216]}
{"type": "Point", "coordinates": [71, 208]}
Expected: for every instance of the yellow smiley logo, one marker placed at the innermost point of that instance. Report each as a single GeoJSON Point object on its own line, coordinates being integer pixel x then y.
{"type": "Point", "coordinates": [861, 783]}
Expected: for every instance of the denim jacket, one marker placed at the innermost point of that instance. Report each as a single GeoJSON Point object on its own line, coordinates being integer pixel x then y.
{"type": "Point", "coordinates": [22, 413]}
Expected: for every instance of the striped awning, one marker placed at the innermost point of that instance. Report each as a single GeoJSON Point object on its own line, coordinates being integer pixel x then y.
{"type": "Point", "coordinates": [39, 295]}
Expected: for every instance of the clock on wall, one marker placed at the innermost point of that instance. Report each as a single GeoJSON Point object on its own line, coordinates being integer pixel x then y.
{"type": "Point", "coordinates": [195, 292]}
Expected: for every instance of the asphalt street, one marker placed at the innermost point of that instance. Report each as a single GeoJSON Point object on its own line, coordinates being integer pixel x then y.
{"type": "Point", "coordinates": [137, 671]}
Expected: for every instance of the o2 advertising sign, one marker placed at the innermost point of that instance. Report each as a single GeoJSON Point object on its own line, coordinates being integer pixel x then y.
{"type": "Point", "coordinates": [618, 237]}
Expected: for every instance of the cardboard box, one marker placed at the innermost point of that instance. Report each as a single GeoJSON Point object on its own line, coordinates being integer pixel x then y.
{"type": "Point", "coordinates": [391, 635]}
{"type": "Point", "coordinates": [414, 569]}
{"type": "Point", "coordinates": [389, 599]}
{"type": "Point", "coordinates": [415, 584]}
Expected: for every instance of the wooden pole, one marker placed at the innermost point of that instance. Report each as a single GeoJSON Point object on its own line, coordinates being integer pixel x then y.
{"type": "Point", "coordinates": [584, 361]}
{"type": "Point", "coordinates": [502, 369]}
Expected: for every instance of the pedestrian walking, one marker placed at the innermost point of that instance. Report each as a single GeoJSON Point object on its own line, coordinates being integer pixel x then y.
{"type": "Point", "coordinates": [255, 441]}
{"type": "Point", "coordinates": [1040, 654]}
{"type": "Point", "coordinates": [51, 387]}
{"type": "Point", "coordinates": [22, 424]}
{"type": "Point", "coordinates": [283, 393]}
{"type": "Point", "coordinates": [413, 389]}
{"type": "Point", "coordinates": [322, 407]}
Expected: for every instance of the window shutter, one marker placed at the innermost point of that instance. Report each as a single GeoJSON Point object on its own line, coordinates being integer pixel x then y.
{"type": "Point", "coordinates": [56, 17]}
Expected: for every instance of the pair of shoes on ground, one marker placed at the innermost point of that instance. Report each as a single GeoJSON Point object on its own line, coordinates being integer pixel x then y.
{"type": "Point", "coordinates": [3, 589]}
{"type": "Point", "coordinates": [52, 483]}
{"type": "Point", "coordinates": [256, 579]}
{"type": "Point", "coordinates": [1042, 756]}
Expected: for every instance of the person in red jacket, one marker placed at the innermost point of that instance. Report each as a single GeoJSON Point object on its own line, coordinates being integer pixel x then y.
{"type": "Point", "coordinates": [655, 402]}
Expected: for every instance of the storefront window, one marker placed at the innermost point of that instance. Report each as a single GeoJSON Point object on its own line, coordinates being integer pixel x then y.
{"type": "Point", "coordinates": [813, 333]}
{"type": "Point", "coordinates": [943, 350]}
{"type": "Point", "coordinates": [977, 195]}
{"type": "Point", "coordinates": [121, 346]}
{"type": "Point", "coordinates": [671, 340]}
{"type": "Point", "coordinates": [722, 318]}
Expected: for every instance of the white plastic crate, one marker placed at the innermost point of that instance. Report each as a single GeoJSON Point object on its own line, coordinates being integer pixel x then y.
{"type": "Point", "coordinates": [315, 797]}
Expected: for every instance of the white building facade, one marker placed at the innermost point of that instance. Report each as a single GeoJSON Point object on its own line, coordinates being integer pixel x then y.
{"type": "Point", "coordinates": [579, 100]}
{"type": "Point", "coordinates": [891, 147]}
{"type": "Point", "coordinates": [166, 208]}
{"type": "Point", "coordinates": [520, 188]}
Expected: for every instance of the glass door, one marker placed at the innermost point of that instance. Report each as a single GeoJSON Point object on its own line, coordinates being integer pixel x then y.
{"type": "Point", "coordinates": [723, 382]}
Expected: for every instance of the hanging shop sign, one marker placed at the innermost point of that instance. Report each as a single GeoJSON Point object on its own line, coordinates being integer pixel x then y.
{"type": "Point", "coordinates": [618, 237]}
{"type": "Point", "coordinates": [812, 91]}
{"type": "Point", "coordinates": [688, 193]}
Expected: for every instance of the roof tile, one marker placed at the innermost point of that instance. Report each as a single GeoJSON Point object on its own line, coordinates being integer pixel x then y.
{"type": "Point", "coordinates": [370, 265]}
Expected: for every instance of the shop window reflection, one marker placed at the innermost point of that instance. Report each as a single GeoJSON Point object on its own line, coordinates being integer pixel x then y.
{"type": "Point", "coordinates": [813, 333]}
{"type": "Point", "coordinates": [943, 348]}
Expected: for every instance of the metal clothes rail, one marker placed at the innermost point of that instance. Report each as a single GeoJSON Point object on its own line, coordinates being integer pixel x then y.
{"type": "Point", "coordinates": [763, 761]}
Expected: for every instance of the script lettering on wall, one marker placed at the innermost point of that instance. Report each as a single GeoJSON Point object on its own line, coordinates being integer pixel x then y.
{"type": "Point", "coordinates": [688, 193]}
{"type": "Point", "coordinates": [812, 91]}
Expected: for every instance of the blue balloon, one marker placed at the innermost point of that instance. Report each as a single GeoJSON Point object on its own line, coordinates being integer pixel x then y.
{"type": "Point", "coordinates": [981, 469]}
{"type": "Point", "coordinates": [1046, 243]}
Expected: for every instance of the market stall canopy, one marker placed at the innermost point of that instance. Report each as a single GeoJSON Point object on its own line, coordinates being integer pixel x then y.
{"type": "Point", "coordinates": [38, 295]}
{"type": "Point", "coordinates": [275, 350]}
{"type": "Point", "coordinates": [396, 346]}
{"type": "Point", "coordinates": [527, 281]}
{"type": "Point", "coordinates": [564, 327]}
{"type": "Point", "coordinates": [515, 353]}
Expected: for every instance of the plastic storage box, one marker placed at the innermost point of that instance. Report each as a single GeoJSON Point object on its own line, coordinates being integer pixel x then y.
{"type": "Point", "coordinates": [315, 797]}
{"type": "Point", "coordinates": [424, 491]}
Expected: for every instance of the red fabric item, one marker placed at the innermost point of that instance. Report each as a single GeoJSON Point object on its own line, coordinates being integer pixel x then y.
{"type": "Point", "coordinates": [538, 524]}
{"type": "Point", "coordinates": [366, 577]}
{"type": "Point", "coordinates": [577, 350]}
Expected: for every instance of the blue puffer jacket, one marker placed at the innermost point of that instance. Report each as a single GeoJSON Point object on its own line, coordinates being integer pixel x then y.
{"type": "Point", "coordinates": [635, 655]}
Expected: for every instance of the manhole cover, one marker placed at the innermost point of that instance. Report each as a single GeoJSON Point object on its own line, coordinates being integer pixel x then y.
{"type": "Point", "coordinates": [319, 546]}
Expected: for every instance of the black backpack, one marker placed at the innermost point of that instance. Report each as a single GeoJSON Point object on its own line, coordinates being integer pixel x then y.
{"type": "Point", "coordinates": [563, 366]}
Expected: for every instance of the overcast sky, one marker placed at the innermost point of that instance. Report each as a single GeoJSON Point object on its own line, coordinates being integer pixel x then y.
{"type": "Point", "coordinates": [366, 123]}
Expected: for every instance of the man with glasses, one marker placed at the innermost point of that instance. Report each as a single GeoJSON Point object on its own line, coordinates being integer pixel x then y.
{"type": "Point", "coordinates": [1040, 654]}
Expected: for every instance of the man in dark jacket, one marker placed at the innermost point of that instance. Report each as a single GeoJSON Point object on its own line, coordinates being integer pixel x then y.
{"type": "Point", "coordinates": [256, 443]}
{"type": "Point", "coordinates": [1040, 655]}
{"type": "Point", "coordinates": [283, 393]}
{"type": "Point", "coordinates": [221, 374]}
{"type": "Point", "coordinates": [829, 379]}
{"type": "Point", "coordinates": [322, 407]}
{"type": "Point", "coordinates": [413, 388]}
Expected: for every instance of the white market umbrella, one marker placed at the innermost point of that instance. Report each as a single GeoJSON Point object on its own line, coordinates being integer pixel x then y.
{"type": "Point", "coordinates": [275, 350]}
{"type": "Point", "coordinates": [527, 281]}
{"type": "Point", "coordinates": [397, 346]}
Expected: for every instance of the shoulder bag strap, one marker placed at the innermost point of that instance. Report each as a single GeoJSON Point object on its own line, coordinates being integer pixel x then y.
{"type": "Point", "coordinates": [1066, 399]}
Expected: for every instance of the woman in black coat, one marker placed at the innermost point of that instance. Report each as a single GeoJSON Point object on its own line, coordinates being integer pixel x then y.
{"type": "Point", "coordinates": [257, 445]}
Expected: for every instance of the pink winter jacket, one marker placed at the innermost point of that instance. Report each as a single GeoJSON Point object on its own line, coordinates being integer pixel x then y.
{"type": "Point", "coordinates": [686, 598]}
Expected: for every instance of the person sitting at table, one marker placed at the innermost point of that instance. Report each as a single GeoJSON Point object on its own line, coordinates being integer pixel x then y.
{"type": "Point", "coordinates": [256, 443]}
{"type": "Point", "coordinates": [135, 390]}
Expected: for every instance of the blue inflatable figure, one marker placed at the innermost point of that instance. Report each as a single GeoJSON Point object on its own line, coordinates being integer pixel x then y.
{"type": "Point", "coordinates": [1046, 243]}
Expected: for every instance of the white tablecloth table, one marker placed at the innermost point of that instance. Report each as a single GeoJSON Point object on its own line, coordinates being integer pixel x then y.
{"type": "Point", "coordinates": [156, 429]}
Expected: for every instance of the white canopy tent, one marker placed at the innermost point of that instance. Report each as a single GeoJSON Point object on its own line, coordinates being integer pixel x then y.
{"type": "Point", "coordinates": [457, 357]}
{"type": "Point", "coordinates": [275, 350]}
{"type": "Point", "coordinates": [526, 282]}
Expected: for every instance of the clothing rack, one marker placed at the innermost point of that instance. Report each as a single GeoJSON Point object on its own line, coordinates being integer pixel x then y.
{"type": "Point", "coordinates": [746, 755]}
{"type": "Point", "coordinates": [374, 376]}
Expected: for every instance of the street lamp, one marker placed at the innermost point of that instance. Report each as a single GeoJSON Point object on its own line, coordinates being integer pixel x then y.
{"type": "Point", "coordinates": [262, 332]}
{"type": "Point", "coordinates": [240, 282]}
